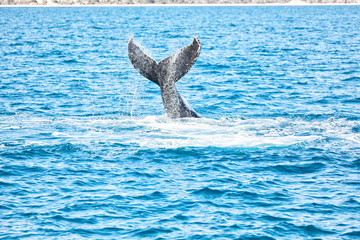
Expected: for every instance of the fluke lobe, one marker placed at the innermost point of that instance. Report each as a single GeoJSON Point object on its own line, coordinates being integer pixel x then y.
{"type": "Point", "coordinates": [166, 73]}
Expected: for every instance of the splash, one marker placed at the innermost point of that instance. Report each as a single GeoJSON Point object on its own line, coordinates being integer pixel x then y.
{"type": "Point", "coordinates": [161, 132]}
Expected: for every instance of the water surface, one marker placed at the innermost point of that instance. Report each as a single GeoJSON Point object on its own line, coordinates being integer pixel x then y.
{"type": "Point", "coordinates": [86, 151]}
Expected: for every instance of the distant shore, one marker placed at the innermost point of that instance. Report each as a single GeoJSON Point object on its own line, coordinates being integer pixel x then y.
{"type": "Point", "coordinates": [172, 2]}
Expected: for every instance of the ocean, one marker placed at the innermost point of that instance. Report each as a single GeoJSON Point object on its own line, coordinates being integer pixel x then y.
{"type": "Point", "coordinates": [87, 152]}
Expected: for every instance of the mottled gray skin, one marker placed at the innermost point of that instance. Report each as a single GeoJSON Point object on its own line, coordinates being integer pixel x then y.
{"type": "Point", "coordinates": [166, 73]}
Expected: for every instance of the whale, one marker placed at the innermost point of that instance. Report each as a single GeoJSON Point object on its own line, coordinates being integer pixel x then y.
{"type": "Point", "coordinates": [166, 73]}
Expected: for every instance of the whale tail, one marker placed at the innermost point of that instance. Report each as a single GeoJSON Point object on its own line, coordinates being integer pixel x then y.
{"type": "Point", "coordinates": [172, 68]}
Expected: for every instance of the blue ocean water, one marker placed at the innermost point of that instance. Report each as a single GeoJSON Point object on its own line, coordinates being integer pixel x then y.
{"type": "Point", "coordinates": [86, 151]}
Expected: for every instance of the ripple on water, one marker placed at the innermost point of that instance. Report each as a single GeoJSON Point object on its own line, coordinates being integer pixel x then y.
{"type": "Point", "coordinates": [87, 153]}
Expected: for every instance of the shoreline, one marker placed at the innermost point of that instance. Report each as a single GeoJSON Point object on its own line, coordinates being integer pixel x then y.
{"type": "Point", "coordinates": [184, 5]}
{"type": "Point", "coordinates": [172, 3]}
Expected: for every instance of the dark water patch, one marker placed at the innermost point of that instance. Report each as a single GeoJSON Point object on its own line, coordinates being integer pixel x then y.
{"type": "Point", "coordinates": [310, 230]}
{"type": "Point", "coordinates": [186, 152]}
{"type": "Point", "coordinates": [279, 197]}
{"type": "Point", "coordinates": [84, 232]}
{"type": "Point", "coordinates": [243, 194]}
{"type": "Point", "coordinates": [319, 208]}
{"type": "Point", "coordinates": [4, 207]}
{"type": "Point", "coordinates": [353, 100]}
{"type": "Point", "coordinates": [356, 163]}
{"type": "Point", "coordinates": [22, 169]}
{"type": "Point", "coordinates": [181, 217]}
{"type": "Point", "coordinates": [354, 182]}
{"type": "Point", "coordinates": [208, 193]}
{"type": "Point", "coordinates": [67, 148]}
{"type": "Point", "coordinates": [256, 237]}
{"type": "Point", "coordinates": [6, 173]}
{"type": "Point", "coordinates": [272, 218]}
{"type": "Point", "coordinates": [82, 183]}
{"type": "Point", "coordinates": [19, 192]}
{"type": "Point", "coordinates": [155, 196]}
{"type": "Point", "coordinates": [352, 234]}
{"type": "Point", "coordinates": [53, 151]}
{"type": "Point", "coordinates": [90, 220]}
{"type": "Point", "coordinates": [57, 95]}
{"type": "Point", "coordinates": [352, 201]}
{"type": "Point", "coordinates": [226, 180]}
{"type": "Point", "coordinates": [152, 232]}
{"type": "Point", "coordinates": [143, 175]}
{"type": "Point", "coordinates": [356, 129]}
{"type": "Point", "coordinates": [351, 117]}
{"type": "Point", "coordinates": [111, 230]}
{"type": "Point", "coordinates": [7, 184]}
{"type": "Point", "coordinates": [299, 169]}
{"type": "Point", "coordinates": [116, 197]}
{"type": "Point", "coordinates": [351, 79]}
{"type": "Point", "coordinates": [69, 61]}
{"type": "Point", "coordinates": [182, 205]}
{"type": "Point", "coordinates": [198, 87]}
{"type": "Point", "coordinates": [315, 231]}
{"type": "Point", "coordinates": [102, 204]}
{"type": "Point", "coordinates": [234, 97]}
{"type": "Point", "coordinates": [215, 66]}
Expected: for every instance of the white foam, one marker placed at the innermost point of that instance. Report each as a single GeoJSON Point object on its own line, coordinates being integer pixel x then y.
{"type": "Point", "coordinates": [34, 142]}
{"type": "Point", "coordinates": [166, 133]}
{"type": "Point", "coordinates": [162, 132]}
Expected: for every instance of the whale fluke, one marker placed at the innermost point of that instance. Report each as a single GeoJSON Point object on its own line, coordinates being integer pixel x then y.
{"type": "Point", "coordinates": [180, 62]}
{"type": "Point", "coordinates": [166, 73]}
{"type": "Point", "coordinates": [145, 65]}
